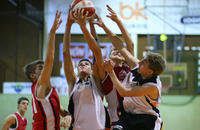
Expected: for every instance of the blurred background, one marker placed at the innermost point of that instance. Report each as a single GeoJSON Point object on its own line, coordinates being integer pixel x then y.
{"type": "Point", "coordinates": [169, 27]}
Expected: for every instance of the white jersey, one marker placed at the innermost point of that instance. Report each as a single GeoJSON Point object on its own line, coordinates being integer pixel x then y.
{"type": "Point", "coordinates": [142, 104]}
{"type": "Point", "coordinates": [113, 103]}
{"type": "Point", "coordinates": [89, 111]}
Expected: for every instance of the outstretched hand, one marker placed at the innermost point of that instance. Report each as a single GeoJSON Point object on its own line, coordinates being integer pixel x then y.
{"type": "Point", "coordinates": [57, 22]}
{"type": "Point", "coordinates": [70, 19]}
{"type": "Point", "coordinates": [112, 15]}
{"type": "Point", "coordinates": [99, 21]}
{"type": "Point", "coordinates": [80, 17]}
{"type": "Point", "coordinates": [92, 18]}
{"type": "Point", "coordinates": [108, 65]}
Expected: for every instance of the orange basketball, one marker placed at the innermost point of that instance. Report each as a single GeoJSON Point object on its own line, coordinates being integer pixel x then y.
{"type": "Point", "coordinates": [87, 5]}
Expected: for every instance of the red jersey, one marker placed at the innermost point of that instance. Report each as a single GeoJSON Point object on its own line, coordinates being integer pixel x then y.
{"type": "Point", "coordinates": [46, 112]}
{"type": "Point", "coordinates": [112, 96]}
{"type": "Point", "coordinates": [21, 122]}
{"type": "Point", "coordinates": [120, 72]}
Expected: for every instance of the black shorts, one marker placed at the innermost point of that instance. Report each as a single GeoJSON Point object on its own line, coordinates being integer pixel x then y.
{"type": "Point", "coordinates": [107, 123]}
{"type": "Point", "coordinates": [129, 121]}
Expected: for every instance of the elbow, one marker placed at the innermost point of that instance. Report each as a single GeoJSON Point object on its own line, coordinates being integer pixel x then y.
{"type": "Point", "coordinates": [122, 94]}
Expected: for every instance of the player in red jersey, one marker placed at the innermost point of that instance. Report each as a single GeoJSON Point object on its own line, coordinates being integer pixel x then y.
{"type": "Point", "coordinates": [17, 121]}
{"type": "Point", "coordinates": [46, 106]}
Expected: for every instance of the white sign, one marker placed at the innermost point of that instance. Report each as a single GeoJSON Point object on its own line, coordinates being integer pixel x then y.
{"type": "Point", "coordinates": [190, 20]}
{"type": "Point", "coordinates": [59, 83]}
{"type": "Point", "coordinates": [17, 87]}
{"type": "Point", "coordinates": [138, 16]}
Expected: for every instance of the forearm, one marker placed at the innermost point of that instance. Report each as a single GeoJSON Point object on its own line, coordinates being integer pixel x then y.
{"type": "Point", "coordinates": [91, 41]}
{"type": "Point", "coordinates": [48, 64]}
{"type": "Point", "coordinates": [92, 30]}
{"type": "Point", "coordinates": [68, 65]}
{"type": "Point", "coordinates": [117, 43]}
{"type": "Point", "coordinates": [132, 91]}
{"type": "Point", "coordinates": [126, 36]}
{"type": "Point", "coordinates": [117, 84]}
{"type": "Point", "coordinates": [93, 45]}
{"type": "Point", "coordinates": [10, 120]}
{"type": "Point", "coordinates": [50, 47]}
{"type": "Point", "coordinates": [66, 45]}
{"type": "Point", "coordinates": [67, 37]}
{"type": "Point", "coordinates": [5, 127]}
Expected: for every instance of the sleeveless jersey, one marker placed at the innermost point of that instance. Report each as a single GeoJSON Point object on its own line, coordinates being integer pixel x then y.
{"type": "Point", "coordinates": [21, 122]}
{"type": "Point", "coordinates": [46, 112]}
{"type": "Point", "coordinates": [112, 96]}
{"type": "Point", "coordinates": [142, 104]}
{"type": "Point", "coordinates": [86, 106]}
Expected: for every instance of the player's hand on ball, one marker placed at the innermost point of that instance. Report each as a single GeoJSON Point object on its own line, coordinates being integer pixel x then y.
{"type": "Point", "coordinates": [99, 21]}
{"type": "Point", "coordinates": [80, 17]}
{"type": "Point", "coordinates": [92, 18]}
{"type": "Point", "coordinates": [70, 19]}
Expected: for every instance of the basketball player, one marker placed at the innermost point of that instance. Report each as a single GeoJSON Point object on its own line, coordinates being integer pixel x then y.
{"type": "Point", "coordinates": [121, 69]}
{"type": "Point", "coordinates": [17, 121]}
{"type": "Point", "coordinates": [86, 103]}
{"type": "Point", "coordinates": [46, 106]}
{"type": "Point", "coordinates": [141, 88]}
{"type": "Point", "coordinates": [93, 32]}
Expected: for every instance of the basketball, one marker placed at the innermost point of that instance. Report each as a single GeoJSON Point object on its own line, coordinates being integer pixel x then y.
{"type": "Point", "coordinates": [87, 5]}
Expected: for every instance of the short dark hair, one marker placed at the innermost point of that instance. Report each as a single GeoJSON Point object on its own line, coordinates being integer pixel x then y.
{"type": "Point", "coordinates": [21, 99]}
{"type": "Point", "coordinates": [156, 62]}
{"type": "Point", "coordinates": [30, 68]}
{"type": "Point", "coordinates": [85, 60]}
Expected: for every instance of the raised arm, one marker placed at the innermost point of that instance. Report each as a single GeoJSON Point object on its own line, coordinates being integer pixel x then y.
{"type": "Point", "coordinates": [44, 79]}
{"type": "Point", "coordinates": [10, 120]}
{"type": "Point", "coordinates": [92, 28]}
{"type": "Point", "coordinates": [98, 65]}
{"type": "Point", "coordinates": [124, 91]}
{"type": "Point", "coordinates": [118, 44]}
{"type": "Point", "coordinates": [113, 16]}
{"type": "Point", "coordinates": [68, 65]}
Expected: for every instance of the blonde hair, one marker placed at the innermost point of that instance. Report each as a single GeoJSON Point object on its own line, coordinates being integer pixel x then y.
{"type": "Point", "coordinates": [156, 62]}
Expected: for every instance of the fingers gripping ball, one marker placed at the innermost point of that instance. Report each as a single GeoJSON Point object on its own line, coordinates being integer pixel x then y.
{"type": "Point", "coordinates": [87, 5]}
